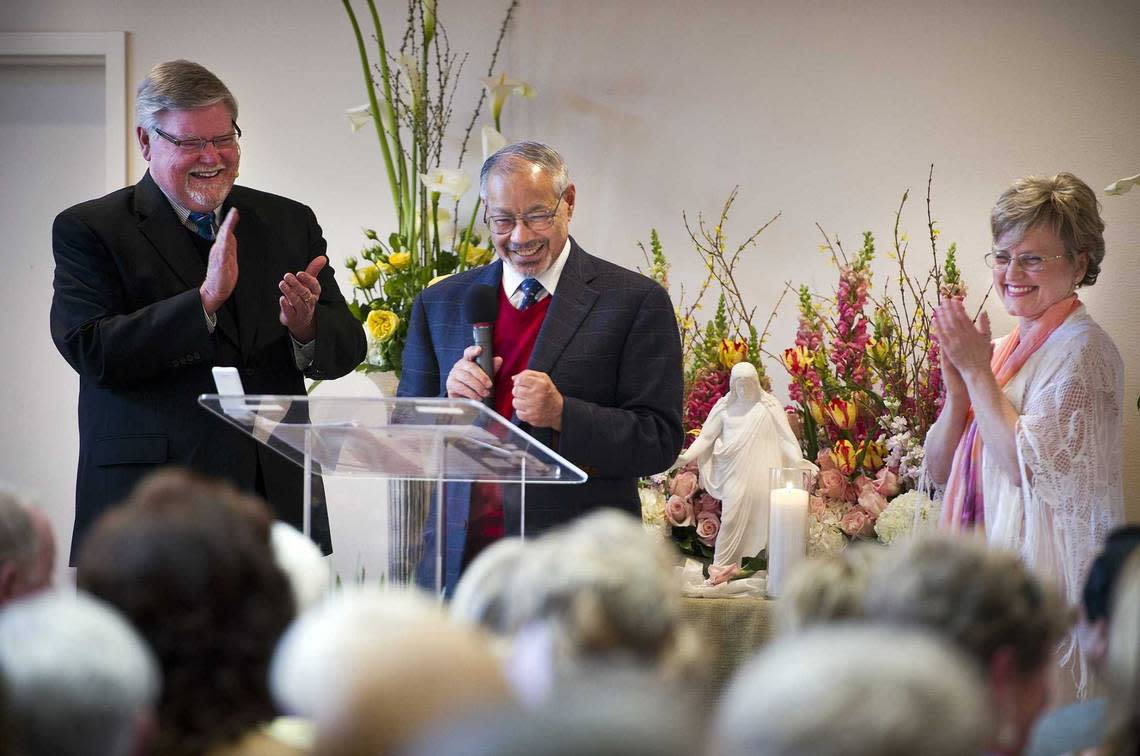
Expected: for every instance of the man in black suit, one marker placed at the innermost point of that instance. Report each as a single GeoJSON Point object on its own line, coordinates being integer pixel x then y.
{"type": "Point", "coordinates": [587, 354]}
{"type": "Point", "coordinates": [148, 298]}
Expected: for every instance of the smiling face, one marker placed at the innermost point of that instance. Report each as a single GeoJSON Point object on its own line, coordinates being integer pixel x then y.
{"type": "Point", "coordinates": [526, 190]}
{"type": "Point", "coordinates": [199, 180]}
{"type": "Point", "coordinates": [1028, 295]}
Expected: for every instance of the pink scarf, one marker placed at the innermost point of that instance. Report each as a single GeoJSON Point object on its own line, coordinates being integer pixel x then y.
{"type": "Point", "coordinates": [963, 507]}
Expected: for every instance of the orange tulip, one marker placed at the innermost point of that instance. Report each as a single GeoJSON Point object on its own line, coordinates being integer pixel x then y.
{"type": "Point", "coordinates": [843, 455]}
{"type": "Point", "coordinates": [732, 351]}
{"type": "Point", "coordinates": [842, 412]}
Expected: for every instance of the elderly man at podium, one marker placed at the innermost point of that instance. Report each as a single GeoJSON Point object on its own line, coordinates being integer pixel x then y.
{"type": "Point", "coordinates": [587, 357]}
{"type": "Point", "coordinates": [157, 283]}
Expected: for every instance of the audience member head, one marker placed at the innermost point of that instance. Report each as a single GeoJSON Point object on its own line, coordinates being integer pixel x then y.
{"type": "Point", "coordinates": [80, 682]}
{"type": "Point", "coordinates": [188, 561]}
{"type": "Point", "coordinates": [302, 562]}
{"type": "Point", "coordinates": [483, 592]}
{"type": "Point", "coordinates": [27, 549]}
{"type": "Point", "coordinates": [1123, 661]}
{"type": "Point", "coordinates": [826, 589]}
{"type": "Point", "coordinates": [990, 606]}
{"type": "Point", "coordinates": [851, 690]}
{"type": "Point", "coordinates": [1092, 627]}
{"type": "Point", "coordinates": [600, 591]}
{"type": "Point", "coordinates": [1062, 204]}
{"type": "Point", "coordinates": [376, 669]}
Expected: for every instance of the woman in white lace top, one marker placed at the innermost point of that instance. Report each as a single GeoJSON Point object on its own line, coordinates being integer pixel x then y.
{"type": "Point", "coordinates": [1028, 445]}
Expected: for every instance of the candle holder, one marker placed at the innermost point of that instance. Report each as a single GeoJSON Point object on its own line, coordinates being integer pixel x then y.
{"type": "Point", "coordinates": [787, 524]}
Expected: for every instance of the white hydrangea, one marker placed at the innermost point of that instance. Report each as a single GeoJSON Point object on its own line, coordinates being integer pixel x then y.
{"type": "Point", "coordinates": [652, 508]}
{"type": "Point", "coordinates": [824, 539]}
{"type": "Point", "coordinates": [898, 519]}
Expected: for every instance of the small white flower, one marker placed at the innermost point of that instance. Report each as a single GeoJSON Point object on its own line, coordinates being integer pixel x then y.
{"type": "Point", "coordinates": [1122, 185]}
{"type": "Point", "coordinates": [359, 117]}
{"type": "Point", "coordinates": [492, 140]}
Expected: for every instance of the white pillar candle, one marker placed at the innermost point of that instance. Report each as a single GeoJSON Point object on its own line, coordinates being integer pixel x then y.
{"type": "Point", "coordinates": [787, 535]}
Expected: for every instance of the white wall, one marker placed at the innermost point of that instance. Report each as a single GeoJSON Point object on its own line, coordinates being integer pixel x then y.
{"type": "Point", "coordinates": [825, 111]}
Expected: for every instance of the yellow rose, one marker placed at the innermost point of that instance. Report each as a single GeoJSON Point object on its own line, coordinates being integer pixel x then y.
{"type": "Point", "coordinates": [384, 267]}
{"type": "Point", "coordinates": [382, 324]}
{"type": "Point", "coordinates": [437, 279]}
{"type": "Point", "coordinates": [400, 260]}
{"type": "Point", "coordinates": [475, 256]}
{"type": "Point", "coordinates": [732, 352]}
{"type": "Point", "coordinates": [366, 277]}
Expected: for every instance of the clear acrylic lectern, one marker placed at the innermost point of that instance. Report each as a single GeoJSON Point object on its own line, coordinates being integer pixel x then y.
{"type": "Point", "coordinates": [432, 441]}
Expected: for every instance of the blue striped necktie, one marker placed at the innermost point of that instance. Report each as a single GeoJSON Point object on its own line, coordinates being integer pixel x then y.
{"type": "Point", "coordinates": [205, 224]}
{"type": "Point", "coordinates": [530, 288]}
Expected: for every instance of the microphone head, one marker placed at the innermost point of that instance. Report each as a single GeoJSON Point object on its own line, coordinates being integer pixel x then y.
{"type": "Point", "coordinates": [480, 304]}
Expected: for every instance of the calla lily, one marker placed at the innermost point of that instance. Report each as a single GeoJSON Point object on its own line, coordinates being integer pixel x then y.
{"type": "Point", "coordinates": [500, 88]}
{"type": "Point", "coordinates": [1123, 185]}
{"type": "Point", "coordinates": [493, 141]}
{"type": "Point", "coordinates": [429, 20]}
{"type": "Point", "coordinates": [446, 181]}
{"type": "Point", "coordinates": [731, 352]}
{"type": "Point", "coordinates": [842, 412]}
{"type": "Point", "coordinates": [843, 455]}
{"type": "Point", "coordinates": [411, 69]}
{"type": "Point", "coordinates": [359, 116]}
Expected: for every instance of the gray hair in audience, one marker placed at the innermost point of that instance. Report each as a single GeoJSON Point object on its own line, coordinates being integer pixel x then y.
{"type": "Point", "coordinates": [80, 680]}
{"type": "Point", "coordinates": [483, 592]}
{"type": "Point", "coordinates": [179, 85]}
{"type": "Point", "coordinates": [979, 598]}
{"type": "Point", "coordinates": [19, 542]}
{"type": "Point", "coordinates": [827, 589]}
{"type": "Point", "coordinates": [853, 690]}
{"type": "Point", "coordinates": [606, 590]}
{"type": "Point", "coordinates": [522, 156]}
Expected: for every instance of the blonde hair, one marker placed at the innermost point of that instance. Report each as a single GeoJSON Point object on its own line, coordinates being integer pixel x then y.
{"type": "Point", "coordinates": [826, 589]}
{"type": "Point", "coordinates": [1063, 203]}
{"type": "Point", "coordinates": [1123, 662]}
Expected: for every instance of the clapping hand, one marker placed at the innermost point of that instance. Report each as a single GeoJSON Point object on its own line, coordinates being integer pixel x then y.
{"type": "Point", "coordinates": [300, 293]}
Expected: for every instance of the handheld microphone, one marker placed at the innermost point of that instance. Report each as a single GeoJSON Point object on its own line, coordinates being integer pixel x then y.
{"type": "Point", "coordinates": [480, 308]}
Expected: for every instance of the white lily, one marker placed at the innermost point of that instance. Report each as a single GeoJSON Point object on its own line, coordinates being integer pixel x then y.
{"type": "Point", "coordinates": [359, 116]}
{"type": "Point", "coordinates": [446, 181]}
{"type": "Point", "coordinates": [411, 69]}
{"type": "Point", "coordinates": [493, 141]}
{"type": "Point", "coordinates": [500, 88]}
{"type": "Point", "coordinates": [1123, 185]}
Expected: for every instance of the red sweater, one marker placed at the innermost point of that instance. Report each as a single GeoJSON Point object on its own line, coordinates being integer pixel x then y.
{"type": "Point", "coordinates": [516, 332]}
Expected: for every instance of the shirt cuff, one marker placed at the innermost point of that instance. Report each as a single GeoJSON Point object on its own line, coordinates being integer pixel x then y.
{"type": "Point", "coordinates": [211, 321]}
{"type": "Point", "coordinates": [303, 354]}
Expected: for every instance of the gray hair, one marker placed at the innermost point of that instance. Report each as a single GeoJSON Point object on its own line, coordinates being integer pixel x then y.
{"type": "Point", "coordinates": [1063, 203]}
{"type": "Point", "coordinates": [978, 598]}
{"type": "Point", "coordinates": [179, 85]}
{"type": "Point", "coordinates": [19, 541]}
{"type": "Point", "coordinates": [484, 591]}
{"type": "Point", "coordinates": [79, 678]}
{"type": "Point", "coordinates": [520, 155]}
{"type": "Point", "coordinates": [854, 690]}
{"type": "Point", "coordinates": [827, 589]}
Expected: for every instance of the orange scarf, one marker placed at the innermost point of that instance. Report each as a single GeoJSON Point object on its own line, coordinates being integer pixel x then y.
{"type": "Point", "coordinates": [963, 507]}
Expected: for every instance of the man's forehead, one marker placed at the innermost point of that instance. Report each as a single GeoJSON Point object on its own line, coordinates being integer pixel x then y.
{"type": "Point", "coordinates": [528, 185]}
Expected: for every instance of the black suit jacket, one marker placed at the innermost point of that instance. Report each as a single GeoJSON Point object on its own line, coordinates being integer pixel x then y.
{"type": "Point", "coordinates": [127, 316]}
{"type": "Point", "coordinates": [610, 345]}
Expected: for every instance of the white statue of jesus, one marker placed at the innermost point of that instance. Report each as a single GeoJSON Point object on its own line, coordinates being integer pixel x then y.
{"type": "Point", "coordinates": [745, 435]}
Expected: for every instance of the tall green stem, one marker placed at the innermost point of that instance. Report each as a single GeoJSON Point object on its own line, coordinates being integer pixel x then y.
{"type": "Point", "coordinates": [403, 195]}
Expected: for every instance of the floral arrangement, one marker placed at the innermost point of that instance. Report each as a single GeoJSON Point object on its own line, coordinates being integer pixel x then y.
{"type": "Point", "coordinates": [410, 94]}
{"type": "Point", "coordinates": [866, 386]}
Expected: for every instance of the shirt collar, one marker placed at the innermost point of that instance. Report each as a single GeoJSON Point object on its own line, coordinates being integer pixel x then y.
{"type": "Point", "coordinates": [548, 278]}
{"type": "Point", "coordinates": [184, 213]}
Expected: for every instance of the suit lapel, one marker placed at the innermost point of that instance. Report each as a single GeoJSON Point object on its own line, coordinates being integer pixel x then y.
{"type": "Point", "coordinates": [572, 301]}
{"type": "Point", "coordinates": [171, 241]}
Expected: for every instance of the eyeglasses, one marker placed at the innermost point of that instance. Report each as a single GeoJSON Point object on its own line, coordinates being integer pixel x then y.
{"type": "Point", "coordinates": [197, 144]}
{"type": "Point", "coordinates": [1028, 263]}
{"type": "Point", "coordinates": [504, 224]}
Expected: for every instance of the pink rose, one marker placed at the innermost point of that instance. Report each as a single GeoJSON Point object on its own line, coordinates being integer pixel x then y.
{"type": "Point", "coordinates": [817, 505]}
{"type": "Point", "coordinates": [833, 484]}
{"type": "Point", "coordinates": [708, 525]}
{"type": "Point", "coordinates": [679, 512]}
{"type": "Point", "coordinates": [824, 460]}
{"type": "Point", "coordinates": [887, 483]}
{"type": "Point", "coordinates": [683, 485]}
{"type": "Point", "coordinates": [707, 503]}
{"type": "Point", "coordinates": [857, 523]}
{"type": "Point", "coordinates": [872, 502]}
{"type": "Point", "coordinates": [860, 484]}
